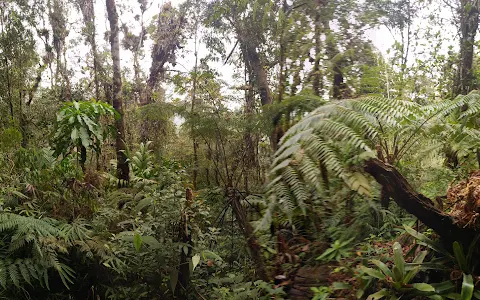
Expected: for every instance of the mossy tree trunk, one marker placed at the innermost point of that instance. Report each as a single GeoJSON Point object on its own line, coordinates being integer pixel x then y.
{"type": "Point", "coordinates": [120, 147]}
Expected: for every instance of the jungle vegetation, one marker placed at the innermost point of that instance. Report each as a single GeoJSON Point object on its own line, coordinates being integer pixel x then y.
{"type": "Point", "coordinates": [239, 149]}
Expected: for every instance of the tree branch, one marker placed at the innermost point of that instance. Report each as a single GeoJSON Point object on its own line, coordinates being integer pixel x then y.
{"type": "Point", "coordinates": [417, 204]}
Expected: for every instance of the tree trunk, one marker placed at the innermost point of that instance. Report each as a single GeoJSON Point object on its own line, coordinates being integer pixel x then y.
{"type": "Point", "coordinates": [122, 164]}
{"type": "Point", "coordinates": [250, 158]}
{"type": "Point", "coordinates": [338, 83]}
{"type": "Point", "coordinates": [9, 88]}
{"type": "Point", "coordinates": [317, 74]}
{"type": "Point", "coordinates": [83, 157]}
{"type": "Point", "coordinates": [283, 58]}
{"type": "Point", "coordinates": [88, 12]}
{"type": "Point", "coordinates": [317, 81]}
{"type": "Point", "coordinates": [57, 17]}
{"type": "Point", "coordinates": [248, 232]}
{"type": "Point", "coordinates": [260, 79]}
{"type": "Point", "coordinates": [21, 119]}
{"type": "Point", "coordinates": [207, 176]}
{"type": "Point", "coordinates": [469, 17]}
{"type": "Point", "coordinates": [194, 100]}
{"type": "Point", "coordinates": [185, 256]}
{"type": "Point", "coordinates": [278, 130]}
{"type": "Point", "coordinates": [167, 41]}
{"type": "Point", "coordinates": [417, 204]}
{"type": "Point", "coordinates": [258, 71]}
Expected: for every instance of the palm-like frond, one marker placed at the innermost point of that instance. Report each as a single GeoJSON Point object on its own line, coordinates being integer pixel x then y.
{"type": "Point", "coordinates": [339, 135]}
{"type": "Point", "coordinates": [347, 128]}
{"type": "Point", "coordinates": [33, 247]}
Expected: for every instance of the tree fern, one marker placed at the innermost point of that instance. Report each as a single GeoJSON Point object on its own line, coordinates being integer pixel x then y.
{"type": "Point", "coordinates": [340, 135]}
{"type": "Point", "coordinates": [336, 135]}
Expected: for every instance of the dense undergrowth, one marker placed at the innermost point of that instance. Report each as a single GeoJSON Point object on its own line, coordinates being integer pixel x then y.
{"type": "Point", "coordinates": [69, 231]}
{"type": "Point", "coordinates": [270, 150]}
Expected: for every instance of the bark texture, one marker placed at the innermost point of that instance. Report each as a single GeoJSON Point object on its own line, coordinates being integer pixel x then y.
{"type": "Point", "coordinates": [468, 12]}
{"type": "Point", "coordinates": [417, 204]}
{"type": "Point", "coordinates": [248, 232]}
{"type": "Point", "coordinates": [260, 81]}
{"type": "Point", "coordinates": [185, 257]}
{"type": "Point", "coordinates": [122, 164]}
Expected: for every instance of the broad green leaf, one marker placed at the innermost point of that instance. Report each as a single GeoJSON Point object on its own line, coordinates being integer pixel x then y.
{"type": "Point", "coordinates": [426, 241]}
{"type": "Point", "coordinates": [423, 287]}
{"type": "Point", "coordinates": [173, 279]}
{"type": "Point", "coordinates": [454, 296]}
{"type": "Point", "coordinates": [417, 260]}
{"type": "Point", "coordinates": [383, 267]}
{"type": "Point", "coordinates": [74, 134]}
{"type": "Point", "coordinates": [137, 241]}
{"type": "Point", "coordinates": [467, 287]}
{"type": "Point", "coordinates": [372, 272]}
{"type": "Point", "coordinates": [444, 287]}
{"type": "Point", "coordinates": [85, 137]}
{"type": "Point", "coordinates": [209, 254]}
{"type": "Point", "coordinates": [195, 261]}
{"type": "Point", "coordinates": [398, 258]}
{"type": "Point", "coordinates": [151, 241]}
{"type": "Point", "coordinates": [397, 274]}
{"type": "Point", "coordinates": [460, 257]}
{"type": "Point", "coordinates": [379, 295]}
{"type": "Point", "coordinates": [326, 254]}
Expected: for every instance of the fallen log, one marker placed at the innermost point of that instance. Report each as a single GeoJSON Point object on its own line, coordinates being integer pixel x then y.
{"type": "Point", "coordinates": [418, 205]}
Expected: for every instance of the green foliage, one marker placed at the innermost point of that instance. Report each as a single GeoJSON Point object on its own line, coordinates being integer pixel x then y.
{"type": "Point", "coordinates": [320, 293]}
{"type": "Point", "coordinates": [328, 135]}
{"type": "Point", "coordinates": [141, 162]}
{"type": "Point", "coordinates": [464, 262]}
{"type": "Point", "coordinates": [337, 251]}
{"type": "Point", "coordinates": [399, 276]}
{"type": "Point", "coordinates": [10, 139]}
{"type": "Point", "coordinates": [78, 125]}
{"type": "Point", "coordinates": [33, 247]}
{"type": "Point", "coordinates": [235, 287]}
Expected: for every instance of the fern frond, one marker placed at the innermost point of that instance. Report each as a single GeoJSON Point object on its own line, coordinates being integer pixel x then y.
{"type": "Point", "coordinates": [355, 119]}
{"type": "Point", "coordinates": [3, 274]}
{"type": "Point", "coordinates": [297, 187]}
{"type": "Point", "coordinates": [316, 147]}
{"type": "Point", "coordinates": [75, 231]}
{"type": "Point", "coordinates": [328, 135]}
{"type": "Point", "coordinates": [310, 170]}
{"type": "Point", "coordinates": [13, 274]}
{"type": "Point", "coordinates": [22, 267]}
{"type": "Point", "coordinates": [472, 101]}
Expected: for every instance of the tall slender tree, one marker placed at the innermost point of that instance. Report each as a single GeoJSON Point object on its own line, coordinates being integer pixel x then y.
{"type": "Point", "coordinates": [90, 32]}
{"type": "Point", "coordinates": [120, 147]}
{"type": "Point", "coordinates": [468, 18]}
